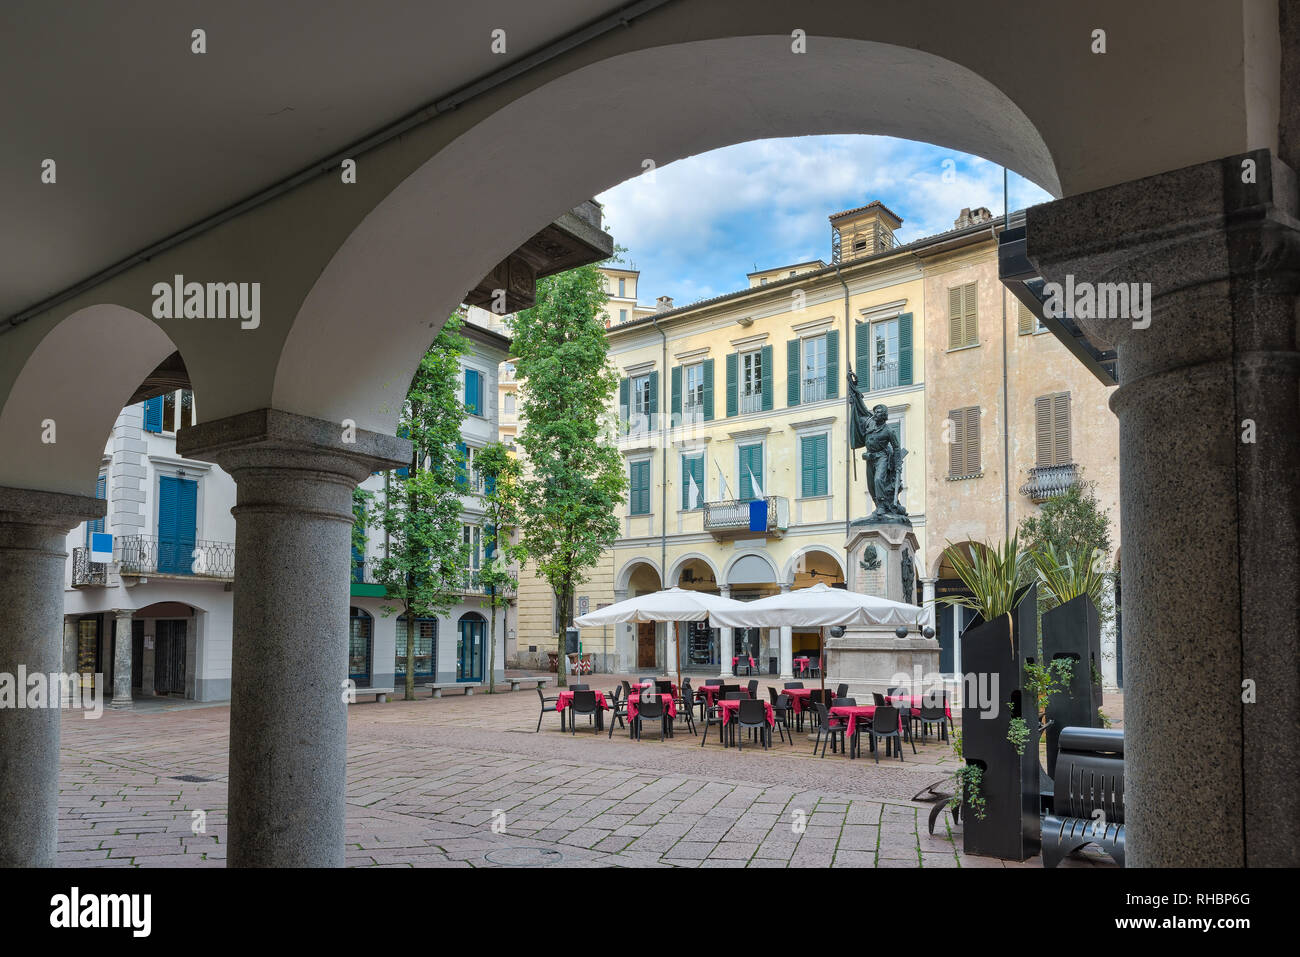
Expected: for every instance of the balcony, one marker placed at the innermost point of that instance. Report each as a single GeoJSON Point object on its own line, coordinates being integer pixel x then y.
{"type": "Point", "coordinates": [814, 389]}
{"type": "Point", "coordinates": [884, 375]}
{"type": "Point", "coordinates": [751, 400]}
{"type": "Point", "coordinates": [147, 555]}
{"type": "Point", "coordinates": [1049, 481]}
{"type": "Point", "coordinates": [730, 519]}
{"type": "Point", "coordinates": [86, 572]}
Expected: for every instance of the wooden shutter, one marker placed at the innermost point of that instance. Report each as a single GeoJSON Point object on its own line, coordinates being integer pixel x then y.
{"type": "Point", "coordinates": [751, 461]}
{"type": "Point", "coordinates": [905, 349]}
{"type": "Point", "coordinates": [153, 414]}
{"type": "Point", "coordinates": [1043, 431]}
{"type": "Point", "coordinates": [813, 465]}
{"type": "Point", "coordinates": [767, 378]}
{"type": "Point", "coordinates": [676, 407]}
{"type": "Point", "coordinates": [970, 315]}
{"type": "Point", "coordinates": [957, 448]}
{"type": "Point", "coordinates": [1061, 428]}
{"type": "Point", "coordinates": [624, 401]}
{"type": "Point", "coordinates": [862, 354]}
{"type": "Point", "coordinates": [806, 480]}
{"type": "Point", "coordinates": [708, 390]}
{"type": "Point", "coordinates": [472, 392]}
{"type": "Point", "coordinates": [639, 493]}
{"type": "Point", "coordinates": [1025, 321]}
{"type": "Point", "coordinates": [692, 466]}
{"type": "Point", "coordinates": [833, 364]}
{"type": "Point", "coordinates": [654, 398]}
{"type": "Point", "coordinates": [792, 395]}
{"type": "Point", "coordinates": [972, 440]}
{"type": "Point", "coordinates": [954, 317]}
{"type": "Point", "coordinates": [732, 404]}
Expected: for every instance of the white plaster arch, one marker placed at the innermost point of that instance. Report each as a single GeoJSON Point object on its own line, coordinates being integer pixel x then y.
{"type": "Point", "coordinates": [79, 376]}
{"type": "Point", "coordinates": [360, 331]}
{"type": "Point", "coordinates": [675, 569]}
{"type": "Point", "coordinates": [792, 563]}
{"type": "Point", "coordinates": [758, 553]}
{"type": "Point", "coordinates": [938, 559]}
{"type": "Point", "coordinates": [625, 573]}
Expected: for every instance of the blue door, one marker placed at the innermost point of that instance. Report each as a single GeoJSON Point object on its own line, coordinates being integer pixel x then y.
{"type": "Point", "coordinates": [470, 633]}
{"type": "Point", "coordinates": [177, 518]}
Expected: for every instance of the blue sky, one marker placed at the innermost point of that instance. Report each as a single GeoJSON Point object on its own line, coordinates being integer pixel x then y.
{"type": "Point", "coordinates": [699, 225]}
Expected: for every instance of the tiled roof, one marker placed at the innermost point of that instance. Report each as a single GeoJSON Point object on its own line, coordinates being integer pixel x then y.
{"type": "Point", "coordinates": [874, 203]}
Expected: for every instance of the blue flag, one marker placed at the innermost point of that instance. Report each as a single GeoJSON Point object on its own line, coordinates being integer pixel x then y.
{"type": "Point", "coordinates": [758, 515]}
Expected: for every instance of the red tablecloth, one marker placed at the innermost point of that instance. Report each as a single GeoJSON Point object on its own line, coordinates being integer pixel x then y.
{"type": "Point", "coordinates": [670, 705]}
{"type": "Point", "coordinates": [737, 658]}
{"type": "Point", "coordinates": [854, 712]}
{"type": "Point", "coordinates": [798, 698]}
{"type": "Point", "coordinates": [732, 707]}
{"type": "Point", "coordinates": [802, 663]}
{"type": "Point", "coordinates": [566, 698]}
{"type": "Point", "coordinates": [709, 692]}
{"type": "Point", "coordinates": [914, 702]}
{"type": "Point", "coordinates": [648, 685]}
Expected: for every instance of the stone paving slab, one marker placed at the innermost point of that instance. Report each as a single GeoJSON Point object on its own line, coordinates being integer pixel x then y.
{"type": "Point", "coordinates": [450, 783]}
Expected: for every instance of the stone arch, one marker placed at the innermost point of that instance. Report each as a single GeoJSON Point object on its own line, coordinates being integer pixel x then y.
{"type": "Point", "coordinates": [625, 573]}
{"type": "Point", "coordinates": [792, 563]}
{"type": "Point", "coordinates": [675, 569]}
{"type": "Point", "coordinates": [750, 559]}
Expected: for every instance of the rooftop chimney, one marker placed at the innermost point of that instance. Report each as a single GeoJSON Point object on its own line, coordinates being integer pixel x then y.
{"type": "Point", "coordinates": [973, 217]}
{"type": "Point", "coordinates": [663, 303]}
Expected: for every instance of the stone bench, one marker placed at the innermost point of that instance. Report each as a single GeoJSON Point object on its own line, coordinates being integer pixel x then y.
{"type": "Point", "coordinates": [380, 694]}
{"type": "Point", "coordinates": [539, 681]}
{"type": "Point", "coordinates": [438, 686]}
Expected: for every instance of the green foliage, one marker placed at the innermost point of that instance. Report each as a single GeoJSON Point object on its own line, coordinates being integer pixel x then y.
{"type": "Point", "coordinates": [501, 503]}
{"type": "Point", "coordinates": [992, 574]}
{"type": "Point", "coordinates": [1071, 529]}
{"type": "Point", "coordinates": [424, 568]}
{"type": "Point", "coordinates": [1043, 681]}
{"type": "Point", "coordinates": [967, 781]}
{"type": "Point", "coordinates": [1066, 575]}
{"type": "Point", "coordinates": [1017, 733]}
{"type": "Point", "coordinates": [575, 475]}
{"type": "Point", "coordinates": [1105, 721]}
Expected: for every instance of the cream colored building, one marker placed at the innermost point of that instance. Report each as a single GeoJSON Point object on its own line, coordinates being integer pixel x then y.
{"type": "Point", "coordinates": [742, 398]}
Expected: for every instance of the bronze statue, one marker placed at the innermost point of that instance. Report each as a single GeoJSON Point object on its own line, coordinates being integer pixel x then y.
{"type": "Point", "coordinates": [883, 455]}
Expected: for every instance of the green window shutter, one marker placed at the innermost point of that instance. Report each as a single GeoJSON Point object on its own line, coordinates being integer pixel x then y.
{"type": "Point", "coordinates": [792, 372]}
{"type": "Point", "coordinates": [624, 400]}
{"type": "Point", "coordinates": [751, 462]}
{"type": "Point", "coordinates": [833, 364]}
{"type": "Point", "coordinates": [862, 354]}
{"type": "Point", "coordinates": [708, 391]}
{"type": "Point", "coordinates": [905, 349]}
{"type": "Point", "coordinates": [821, 466]}
{"type": "Point", "coordinates": [767, 378]}
{"type": "Point", "coordinates": [639, 488]}
{"type": "Point", "coordinates": [806, 480]}
{"type": "Point", "coordinates": [676, 408]}
{"type": "Point", "coordinates": [654, 396]}
{"type": "Point", "coordinates": [686, 485]}
{"type": "Point", "coordinates": [733, 404]}
{"type": "Point", "coordinates": [692, 467]}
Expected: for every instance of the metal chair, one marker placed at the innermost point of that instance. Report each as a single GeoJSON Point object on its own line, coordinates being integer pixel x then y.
{"type": "Point", "coordinates": [842, 691]}
{"type": "Point", "coordinates": [752, 716]}
{"type": "Point", "coordinates": [781, 712]}
{"type": "Point", "coordinates": [931, 713]}
{"type": "Point", "coordinates": [548, 704]}
{"type": "Point", "coordinates": [792, 684]}
{"type": "Point", "coordinates": [885, 725]}
{"type": "Point", "coordinates": [619, 704]}
{"type": "Point", "coordinates": [753, 689]}
{"type": "Point", "coordinates": [832, 725]}
{"type": "Point", "coordinates": [663, 687]}
{"type": "Point", "coordinates": [652, 710]}
{"type": "Point", "coordinates": [576, 688]}
{"type": "Point", "coordinates": [584, 702]}
{"type": "Point", "coordinates": [878, 699]}
{"type": "Point", "coordinates": [711, 715]}
{"type": "Point", "coordinates": [814, 668]}
{"type": "Point", "coordinates": [686, 704]}
{"type": "Point", "coordinates": [844, 703]}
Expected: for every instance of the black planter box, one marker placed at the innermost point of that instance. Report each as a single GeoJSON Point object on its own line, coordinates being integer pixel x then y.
{"type": "Point", "coordinates": [1073, 630]}
{"type": "Point", "coordinates": [996, 652]}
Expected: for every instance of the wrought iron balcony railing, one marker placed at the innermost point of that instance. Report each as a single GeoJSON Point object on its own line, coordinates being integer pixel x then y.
{"type": "Point", "coordinates": [1049, 481]}
{"type": "Point", "coordinates": [814, 389]}
{"type": "Point", "coordinates": [751, 400]}
{"type": "Point", "coordinates": [149, 555]}
{"type": "Point", "coordinates": [86, 572]}
{"type": "Point", "coordinates": [884, 375]}
{"type": "Point", "coordinates": [731, 517]}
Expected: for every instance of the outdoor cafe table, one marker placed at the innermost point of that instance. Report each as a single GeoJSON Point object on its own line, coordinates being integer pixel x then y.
{"type": "Point", "coordinates": [565, 700]}
{"type": "Point", "coordinates": [649, 684]}
{"type": "Point", "coordinates": [669, 701]}
{"type": "Point", "coordinates": [865, 712]}
{"type": "Point", "coordinates": [732, 707]}
{"type": "Point", "coordinates": [802, 664]}
{"type": "Point", "coordinates": [752, 666]}
{"type": "Point", "coordinates": [913, 701]}
{"type": "Point", "coordinates": [798, 698]}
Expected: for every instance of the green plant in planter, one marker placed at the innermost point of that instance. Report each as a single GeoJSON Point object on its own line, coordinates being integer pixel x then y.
{"type": "Point", "coordinates": [1105, 721]}
{"type": "Point", "coordinates": [1041, 682]}
{"type": "Point", "coordinates": [993, 576]}
{"type": "Point", "coordinates": [1017, 733]}
{"type": "Point", "coordinates": [1067, 574]}
{"type": "Point", "coordinates": [968, 779]}
{"type": "Point", "coordinates": [1093, 673]}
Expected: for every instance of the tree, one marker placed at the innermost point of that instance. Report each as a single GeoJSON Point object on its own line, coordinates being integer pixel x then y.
{"type": "Point", "coordinates": [1071, 528]}
{"type": "Point", "coordinates": [502, 474]}
{"type": "Point", "coordinates": [575, 478]}
{"type": "Point", "coordinates": [424, 567]}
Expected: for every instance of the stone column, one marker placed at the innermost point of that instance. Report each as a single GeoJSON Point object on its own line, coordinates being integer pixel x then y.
{"type": "Point", "coordinates": [785, 663]}
{"type": "Point", "coordinates": [1109, 663]}
{"type": "Point", "coordinates": [122, 659]}
{"type": "Point", "coordinates": [1209, 453]}
{"type": "Point", "coordinates": [288, 721]}
{"type": "Point", "coordinates": [69, 695]}
{"type": "Point", "coordinates": [33, 551]}
{"type": "Point", "coordinates": [927, 601]}
{"type": "Point", "coordinates": [726, 637]}
{"type": "Point", "coordinates": [624, 637]}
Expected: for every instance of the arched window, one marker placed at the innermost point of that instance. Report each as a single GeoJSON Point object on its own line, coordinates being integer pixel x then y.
{"type": "Point", "coordinates": [361, 633]}
{"type": "Point", "coordinates": [426, 643]}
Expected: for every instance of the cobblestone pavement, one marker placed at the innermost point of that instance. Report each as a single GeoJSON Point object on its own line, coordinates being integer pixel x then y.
{"type": "Point", "coordinates": [467, 782]}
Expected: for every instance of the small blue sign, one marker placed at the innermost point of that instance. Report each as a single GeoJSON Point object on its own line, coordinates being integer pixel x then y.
{"type": "Point", "coordinates": [758, 515]}
{"type": "Point", "coordinates": [101, 547]}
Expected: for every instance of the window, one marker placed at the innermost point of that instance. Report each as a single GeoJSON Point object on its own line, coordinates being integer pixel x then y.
{"type": "Point", "coordinates": [814, 369]}
{"type": "Point", "coordinates": [622, 288]}
{"type": "Point", "coordinates": [692, 482]}
{"type": "Point", "coordinates": [510, 402]}
{"type": "Point", "coordinates": [751, 381]}
{"type": "Point", "coordinates": [177, 520]}
{"type": "Point", "coordinates": [622, 315]}
{"type": "Point", "coordinates": [360, 639]}
{"type": "Point", "coordinates": [964, 449]}
{"type": "Point", "coordinates": [1026, 322]}
{"type": "Point", "coordinates": [763, 281]}
{"type": "Point", "coordinates": [884, 354]}
{"type": "Point", "coordinates": [814, 471]}
{"type": "Point", "coordinates": [751, 472]}
{"type": "Point", "coordinates": [473, 392]}
{"type": "Point", "coordinates": [639, 400]}
{"type": "Point", "coordinates": [638, 496]}
{"type": "Point", "coordinates": [471, 537]}
{"type": "Point", "coordinates": [641, 396]}
{"type": "Point", "coordinates": [963, 319]}
{"type": "Point", "coordinates": [791, 272]}
{"type": "Point", "coordinates": [1052, 429]}
{"type": "Point", "coordinates": [426, 637]}
{"type": "Point", "coordinates": [101, 491]}
{"type": "Point", "coordinates": [693, 395]}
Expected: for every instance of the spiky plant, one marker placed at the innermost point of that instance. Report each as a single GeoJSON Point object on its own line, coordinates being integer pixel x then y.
{"type": "Point", "coordinates": [1068, 573]}
{"type": "Point", "coordinates": [992, 574]}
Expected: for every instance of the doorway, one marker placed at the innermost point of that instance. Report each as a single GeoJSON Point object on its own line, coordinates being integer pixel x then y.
{"type": "Point", "coordinates": [169, 656]}
{"type": "Point", "coordinates": [645, 644]}
{"type": "Point", "coordinates": [470, 633]}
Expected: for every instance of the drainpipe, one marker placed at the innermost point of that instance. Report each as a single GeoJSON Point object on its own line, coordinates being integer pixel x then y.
{"type": "Point", "coordinates": [1006, 408]}
{"type": "Point", "coordinates": [848, 410]}
{"type": "Point", "coordinates": [663, 484]}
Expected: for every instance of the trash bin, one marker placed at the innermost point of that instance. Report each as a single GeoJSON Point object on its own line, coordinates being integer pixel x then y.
{"type": "Point", "coordinates": [771, 666]}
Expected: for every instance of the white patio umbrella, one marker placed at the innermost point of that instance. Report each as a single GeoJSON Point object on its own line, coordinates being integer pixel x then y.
{"type": "Point", "coordinates": [818, 606]}
{"type": "Point", "coordinates": [671, 604]}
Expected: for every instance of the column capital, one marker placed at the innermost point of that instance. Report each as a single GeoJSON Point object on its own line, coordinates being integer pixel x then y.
{"type": "Point", "coordinates": [272, 439]}
{"type": "Point", "coordinates": [127, 613]}
{"type": "Point", "coordinates": [61, 510]}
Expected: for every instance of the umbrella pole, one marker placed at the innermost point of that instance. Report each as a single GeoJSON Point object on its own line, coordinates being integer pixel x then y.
{"type": "Point", "coordinates": [677, 643]}
{"type": "Point", "coordinates": [821, 657]}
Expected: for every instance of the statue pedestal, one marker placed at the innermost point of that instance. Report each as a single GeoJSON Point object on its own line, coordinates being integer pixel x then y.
{"type": "Point", "coordinates": [871, 658]}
